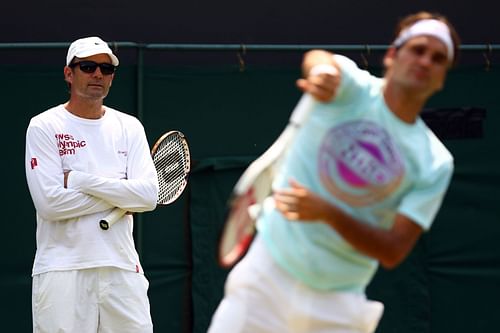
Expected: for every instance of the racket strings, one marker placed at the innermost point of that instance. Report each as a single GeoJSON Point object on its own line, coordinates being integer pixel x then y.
{"type": "Point", "coordinates": [171, 160]}
{"type": "Point", "coordinates": [239, 231]}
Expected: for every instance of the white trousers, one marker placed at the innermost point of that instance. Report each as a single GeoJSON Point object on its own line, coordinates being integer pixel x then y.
{"type": "Point", "coordinates": [260, 297]}
{"type": "Point", "coordinates": [103, 300]}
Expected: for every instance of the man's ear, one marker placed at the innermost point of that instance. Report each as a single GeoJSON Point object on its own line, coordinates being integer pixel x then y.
{"type": "Point", "coordinates": [389, 57]}
{"type": "Point", "coordinates": [68, 74]}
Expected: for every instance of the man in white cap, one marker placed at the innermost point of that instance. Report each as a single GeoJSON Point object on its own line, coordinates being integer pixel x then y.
{"type": "Point", "coordinates": [362, 181]}
{"type": "Point", "coordinates": [83, 159]}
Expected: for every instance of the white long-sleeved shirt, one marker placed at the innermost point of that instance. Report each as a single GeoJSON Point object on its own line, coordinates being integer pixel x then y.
{"type": "Point", "coordinates": [110, 167]}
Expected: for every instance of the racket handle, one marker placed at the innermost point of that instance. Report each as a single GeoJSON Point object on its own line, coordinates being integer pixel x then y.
{"type": "Point", "coordinates": [302, 109]}
{"type": "Point", "coordinates": [111, 218]}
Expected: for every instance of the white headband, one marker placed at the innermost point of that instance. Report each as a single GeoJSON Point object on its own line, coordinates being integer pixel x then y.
{"type": "Point", "coordinates": [431, 27]}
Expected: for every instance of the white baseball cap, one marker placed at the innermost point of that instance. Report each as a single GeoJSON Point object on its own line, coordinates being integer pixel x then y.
{"type": "Point", "coordinates": [89, 46]}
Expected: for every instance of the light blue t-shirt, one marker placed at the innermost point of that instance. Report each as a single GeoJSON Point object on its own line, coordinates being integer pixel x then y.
{"type": "Point", "coordinates": [358, 155]}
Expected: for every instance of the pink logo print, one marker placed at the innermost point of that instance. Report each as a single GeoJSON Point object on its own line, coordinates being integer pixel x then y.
{"type": "Point", "coordinates": [34, 163]}
{"type": "Point", "coordinates": [359, 163]}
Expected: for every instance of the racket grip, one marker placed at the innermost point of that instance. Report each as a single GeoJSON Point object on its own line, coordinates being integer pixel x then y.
{"type": "Point", "coordinates": [302, 109]}
{"type": "Point", "coordinates": [111, 218]}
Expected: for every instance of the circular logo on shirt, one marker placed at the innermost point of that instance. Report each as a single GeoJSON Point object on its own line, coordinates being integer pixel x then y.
{"type": "Point", "coordinates": [359, 163]}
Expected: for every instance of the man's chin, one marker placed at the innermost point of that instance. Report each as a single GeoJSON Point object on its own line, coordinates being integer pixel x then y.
{"type": "Point", "coordinates": [97, 94]}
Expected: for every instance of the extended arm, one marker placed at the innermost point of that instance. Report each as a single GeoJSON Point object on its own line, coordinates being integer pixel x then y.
{"type": "Point", "coordinates": [389, 246]}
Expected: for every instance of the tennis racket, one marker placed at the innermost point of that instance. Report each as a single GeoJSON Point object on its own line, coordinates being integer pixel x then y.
{"type": "Point", "coordinates": [254, 186]}
{"type": "Point", "coordinates": [172, 162]}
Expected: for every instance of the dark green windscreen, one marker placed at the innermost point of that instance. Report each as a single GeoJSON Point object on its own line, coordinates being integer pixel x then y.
{"type": "Point", "coordinates": [448, 284]}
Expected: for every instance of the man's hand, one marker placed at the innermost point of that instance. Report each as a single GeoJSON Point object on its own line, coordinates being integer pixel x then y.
{"type": "Point", "coordinates": [66, 173]}
{"type": "Point", "coordinates": [321, 75]}
{"type": "Point", "coordinates": [298, 203]}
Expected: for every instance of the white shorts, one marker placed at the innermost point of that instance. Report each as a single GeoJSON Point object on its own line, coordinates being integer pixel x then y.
{"type": "Point", "coordinates": [261, 297]}
{"type": "Point", "coordinates": [91, 300]}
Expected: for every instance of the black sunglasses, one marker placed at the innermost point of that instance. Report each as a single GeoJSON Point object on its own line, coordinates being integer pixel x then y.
{"type": "Point", "coordinates": [91, 66]}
